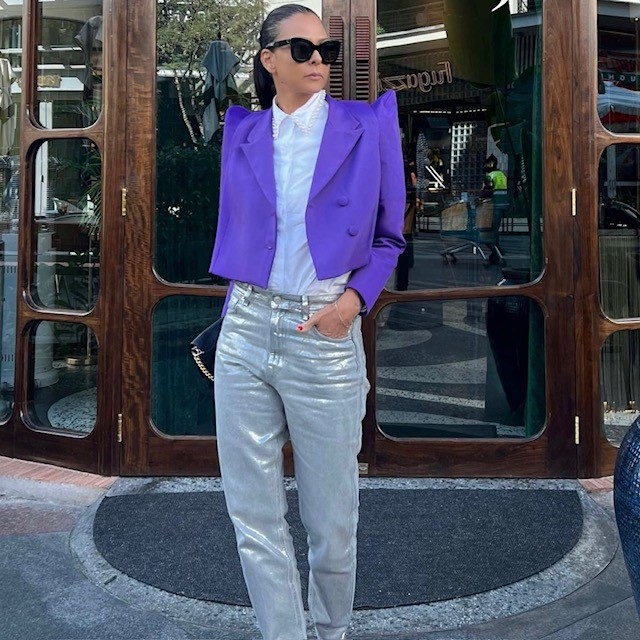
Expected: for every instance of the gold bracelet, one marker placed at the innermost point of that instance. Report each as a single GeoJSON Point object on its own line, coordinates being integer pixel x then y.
{"type": "Point", "coordinates": [344, 324]}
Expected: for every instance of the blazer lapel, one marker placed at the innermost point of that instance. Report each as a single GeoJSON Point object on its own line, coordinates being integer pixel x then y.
{"type": "Point", "coordinates": [341, 133]}
{"type": "Point", "coordinates": [259, 152]}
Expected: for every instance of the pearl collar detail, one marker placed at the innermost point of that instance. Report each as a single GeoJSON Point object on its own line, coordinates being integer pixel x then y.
{"type": "Point", "coordinates": [303, 118]}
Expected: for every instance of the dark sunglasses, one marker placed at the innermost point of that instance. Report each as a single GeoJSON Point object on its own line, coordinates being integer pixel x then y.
{"type": "Point", "coordinates": [302, 49]}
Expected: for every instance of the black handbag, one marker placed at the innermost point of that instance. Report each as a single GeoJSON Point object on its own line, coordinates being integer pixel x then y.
{"type": "Point", "coordinates": [203, 349]}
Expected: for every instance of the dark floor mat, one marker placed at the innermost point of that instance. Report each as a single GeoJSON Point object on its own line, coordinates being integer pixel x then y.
{"type": "Point", "coordinates": [415, 546]}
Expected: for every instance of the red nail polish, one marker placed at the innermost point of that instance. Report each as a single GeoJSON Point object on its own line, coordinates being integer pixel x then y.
{"type": "Point", "coordinates": [299, 327]}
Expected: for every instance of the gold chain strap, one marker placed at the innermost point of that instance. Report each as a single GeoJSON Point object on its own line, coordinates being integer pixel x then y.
{"type": "Point", "coordinates": [196, 353]}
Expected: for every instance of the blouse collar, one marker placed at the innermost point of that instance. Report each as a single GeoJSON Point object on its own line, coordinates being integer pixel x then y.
{"type": "Point", "coordinates": [304, 117]}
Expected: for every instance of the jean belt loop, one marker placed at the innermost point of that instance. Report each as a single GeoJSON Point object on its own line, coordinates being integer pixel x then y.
{"type": "Point", "coordinates": [245, 296]}
{"type": "Point", "coordinates": [305, 307]}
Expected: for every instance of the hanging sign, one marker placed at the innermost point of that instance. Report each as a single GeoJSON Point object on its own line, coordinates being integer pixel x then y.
{"type": "Point", "coordinates": [622, 78]}
{"type": "Point", "coordinates": [421, 81]}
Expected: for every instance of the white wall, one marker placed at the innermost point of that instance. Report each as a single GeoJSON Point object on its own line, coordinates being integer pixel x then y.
{"type": "Point", "coordinates": [315, 5]}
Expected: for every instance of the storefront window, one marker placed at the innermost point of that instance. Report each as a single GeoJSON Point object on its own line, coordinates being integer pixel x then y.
{"type": "Point", "coordinates": [67, 215]}
{"type": "Point", "coordinates": [620, 383]}
{"type": "Point", "coordinates": [619, 210]}
{"type": "Point", "coordinates": [619, 66]}
{"type": "Point", "coordinates": [461, 369]}
{"type": "Point", "coordinates": [65, 379]}
{"type": "Point", "coordinates": [204, 65]}
{"type": "Point", "coordinates": [181, 398]}
{"type": "Point", "coordinates": [468, 83]}
{"type": "Point", "coordinates": [10, 63]}
{"type": "Point", "coordinates": [70, 53]}
{"type": "Point", "coordinates": [618, 229]}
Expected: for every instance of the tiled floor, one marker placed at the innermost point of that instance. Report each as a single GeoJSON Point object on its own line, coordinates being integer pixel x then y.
{"type": "Point", "coordinates": [598, 485]}
{"type": "Point", "coordinates": [26, 470]}
{"type": "Point", "coordinates": [48, 473]}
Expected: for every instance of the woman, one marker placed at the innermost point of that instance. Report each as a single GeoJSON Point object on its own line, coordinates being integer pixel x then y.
{"type": "Point", "coordinates": [310, 227]}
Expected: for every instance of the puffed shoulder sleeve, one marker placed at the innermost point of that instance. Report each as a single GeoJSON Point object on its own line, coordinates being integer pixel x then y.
{"type": "Point", "coordinates": [388, 241]}
{"type": "Point", "coordinates": [233, 117]}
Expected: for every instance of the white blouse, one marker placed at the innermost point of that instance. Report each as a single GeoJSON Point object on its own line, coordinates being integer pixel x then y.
{"type": "Point", "coordinates": [296, 143]}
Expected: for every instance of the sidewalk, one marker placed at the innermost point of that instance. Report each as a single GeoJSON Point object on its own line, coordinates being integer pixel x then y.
{"type": "Point", "coordinates": [54, 585]}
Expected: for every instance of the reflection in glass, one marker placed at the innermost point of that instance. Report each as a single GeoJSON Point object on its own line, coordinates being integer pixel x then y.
{"type": "Point", "coordinates": [67, 215]}
{"type": "Point", "coordinates": [181, 398]}
{"type": "Point", "coordinates": [619, 66]}
{"type": "Point", "coordinates": [461, 369]}
{"type": "Point", "coordinates": [200, 73]}
{"type": "Point", "coordinates": [64, 395]}
{"type": "Point", "coordinates": [618, 229]}
{"type": "Point", "coordinates": [10, 100]}
{"type": "Point", "coordinates": [620, 383]}
{"type": "Point", "coordinates": [469, 94]}
{"type": "Point", "coordinates": [70, 64]}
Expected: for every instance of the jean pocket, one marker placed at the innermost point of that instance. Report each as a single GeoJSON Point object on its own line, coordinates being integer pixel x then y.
{"type": "Point", "coordinates": [318, 333]}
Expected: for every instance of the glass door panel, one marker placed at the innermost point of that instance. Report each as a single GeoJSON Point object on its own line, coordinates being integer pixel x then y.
{"type": "Point", "coordinates": [460, 369]}
{"type": "Point", "coordinates": [468, 83]}
{"type": "Point", "coordinates": [619, 66]}
{"type": "Point", "coordinates": [618, 230]}
{"type": "Point", "coordinates": [618, 109]}
{"type": "Point", "coordinates": [70, 49]}
{"type": "Point", "coordinates": [620, 384]}
{"type": "Point", "coordinates": [64, 381]}
{"type": "Point", "coordinates": [470, 226]}
{"type": "Point", "coordinates": [190, 121]}
{"type": "Point", "coordinates": [190, 125]}
{"type": "Point", "coordinates": [68, 212]}
{"type": "Point", "coordinates": [10, 101]}
{"type": "Point", "coordinates": [176, 321]}
{"type": "Point", "coordinates": [619, 252]}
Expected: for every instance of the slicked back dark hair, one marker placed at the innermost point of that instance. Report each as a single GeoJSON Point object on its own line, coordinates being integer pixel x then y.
{"type": "Point", "coordinates": [262, 79]}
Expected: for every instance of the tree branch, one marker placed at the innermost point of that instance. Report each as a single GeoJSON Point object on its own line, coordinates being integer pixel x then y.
{"type": "Point", "coordinates": [183, 110]}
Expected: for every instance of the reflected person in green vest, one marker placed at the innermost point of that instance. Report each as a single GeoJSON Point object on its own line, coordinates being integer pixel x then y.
{"type": "Point", "coordinates": [494, 180]}
{"type": "Point", "coordinates": [494, 190]}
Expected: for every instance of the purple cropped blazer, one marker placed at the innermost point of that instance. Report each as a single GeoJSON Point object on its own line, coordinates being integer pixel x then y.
{"type": "Point", "coordinates": [355, 211]}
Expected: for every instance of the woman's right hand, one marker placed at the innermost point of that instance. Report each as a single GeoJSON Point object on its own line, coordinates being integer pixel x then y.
{"type": "Point", "coordinates": [335, 319]}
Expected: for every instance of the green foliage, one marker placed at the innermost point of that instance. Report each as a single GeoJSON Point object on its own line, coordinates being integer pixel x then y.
{"type": "Point", "coordinates": [185, 31]}
{"type": "Point", "coordinates": [186, 182]}
{"type": "Point", "coordinates": [187, 205]}
{"type": "Point", "coordinates": [188, 169]}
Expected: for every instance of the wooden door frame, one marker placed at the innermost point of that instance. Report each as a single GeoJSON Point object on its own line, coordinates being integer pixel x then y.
{"type": "Point", "coordinates": [553, 453]}
{"type": "Point", "coordinates": [94, 452]}
{"type": "Point", "coordinates": [596, 455]}
{"type": "Point", "coordinates": [573, 141]}
{"type": "Point", "coordinates": [144, 450]}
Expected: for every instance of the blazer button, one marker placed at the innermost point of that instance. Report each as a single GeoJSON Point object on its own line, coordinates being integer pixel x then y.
{"type": "Point", "coordinates": [343, 201]}
{"type": "Point", "coordinates": [353, 230]}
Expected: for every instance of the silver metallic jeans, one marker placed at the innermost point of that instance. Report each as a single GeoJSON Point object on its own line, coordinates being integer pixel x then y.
{"type": "Point", "coordinates": [274, 383]}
